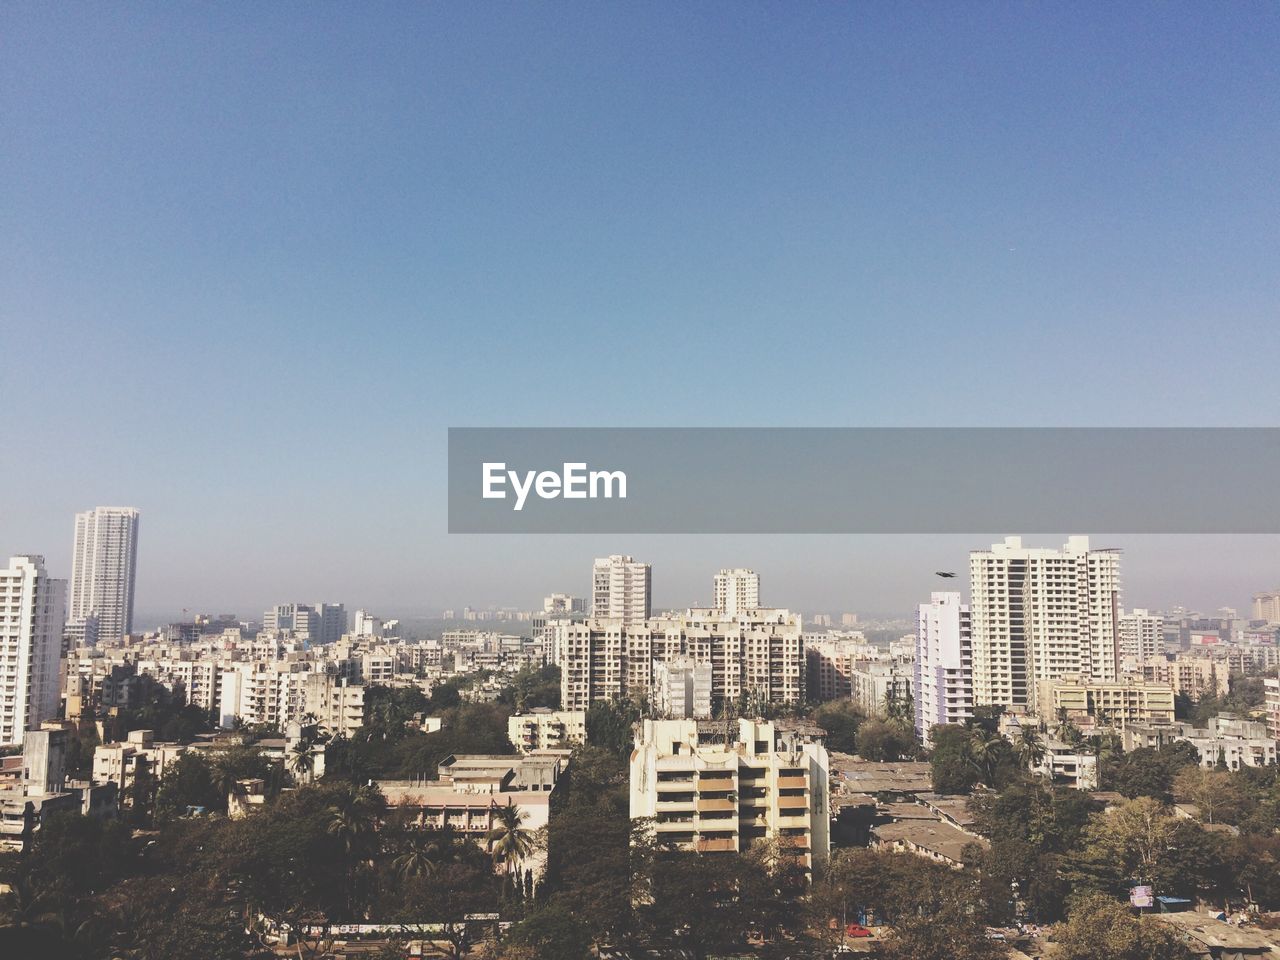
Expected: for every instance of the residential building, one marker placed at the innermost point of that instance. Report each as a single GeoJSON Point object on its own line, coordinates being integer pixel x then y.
{"type": "Point", "coordinates": [735, 591]}
{"type": "Point", "coordinates": [880, 688]}
{"type": "Point", "coordinates": [1041, 613]}
{"type": "Point", "coordinates": [41, 790]}
{"type": "Point", "coordinates": [620, 589]}
{"type": "Point", "coordinates": [757, 655]}
{"type": "Point", "coordinates": [1266, 606]}
{"type": "Point", "coordinates": [561, 603]}
{"type": "Point", "coordinates": [471, 790]}
{"type": "Point", "coordinates": [1190, 676]}
{"type": "Point", "coordinates": [545, 729]}
{"type": "Point", "coordinates": [769, 783]}
{"type": "Point", "coordinates": [829, 664]}
{"type": "Point", "coordinates": [79, 633]}
{"type": "Point", "coordinates": [31, 620]}
{"type": "Point", "coordinates": [103, 568]}
{"type": "Point", "coordinates": [1070, 766]}
{"type": "Point", "coordinates": [1226, 740]}
{"type": "Point", "coordinates": [944, 664]}
{"type": "Point", "coordinates": [1272, 687]}
{"type": "Point", "coordinates": [1141, 637]}
{"type": "Point", "coordinates": [1129, 699]}
{"type": "Point", "coordinates": [682, 688]}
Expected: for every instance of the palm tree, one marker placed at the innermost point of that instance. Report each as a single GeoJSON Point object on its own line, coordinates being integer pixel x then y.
{"type": "Point", "coordinates": [423, 853]}
{"type": "Point", "coordinates": [1030, 747]}
{"type": "Point", "coordinates": [302, 760]}
{"type": "Point", "coordinates": [984, 753]}
{"type": "Point", "coordinates": [509, 840]}
{"type": "Point", "coordinates": [354, 822]}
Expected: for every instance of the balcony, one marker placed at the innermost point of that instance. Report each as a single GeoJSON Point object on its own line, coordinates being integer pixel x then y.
{"type": "Point", "coordinates": [716, 804]}
{"type": "Point", "coordinates": [716, 845]}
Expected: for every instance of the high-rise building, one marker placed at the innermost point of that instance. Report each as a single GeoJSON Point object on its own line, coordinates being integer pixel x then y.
{"type": "Point", "coordinates": [563, 603]}
{"type": "Point", "coordinates": [620, 589]}
{"type": "Point", "coordinates": [736, 591]}
{"type": "Point", "coordinates": [315, 623]}
{"type": "Point", "coordinates": [1040, 613]}
{"type": "Point", "coordinates": [103, 566]}
{"type": "Point", "coordinates": [1266, 606]}
{"type": "Point", "coordinates": [944, 663]}
{"type": "Point", "coordinates": [32, 609]}
{"type": "Point", "coordinates": [1141, 637]}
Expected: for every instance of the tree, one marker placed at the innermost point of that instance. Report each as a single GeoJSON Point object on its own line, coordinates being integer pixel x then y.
{"type": "Point", "coordinates": [881, 740]}
{"type": "Point", "coordinates": [949, 763]}
{"type": "Point", "coordinates": [841, 720]}
{"type": "Point", "coordinates": [302, 760]}
{"type": "Point", "coordinates": [1029, 747]}
{"type": "Point", "coordinates": [187, 783]}
{"type": "Point", "coordinates": [609, 726]}
{"type": "Point", "coordinates": [1100, 928]}
{"type": "Point", "coordinates": [552, 932]}
{"type": "Point", "coordinates": [1218, 795]}
{"type": "Point", "coordinates": [951, 937]}
{"type": "Point", "coordinates": [448, 898]}
{"type": "Point", "coordinates": [510, 842]}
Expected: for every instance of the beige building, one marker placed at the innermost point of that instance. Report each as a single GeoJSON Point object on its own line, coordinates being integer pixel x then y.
{"type": "Point", "coordinates": [757, 655]}
{"type": "Point", "coordinates": [1273, 707]}
{"type": "Point", "coordinates": [1141, 637]}
{"type": "Point", "coordinates": [546, 729]}
{"type": "Point", "coordinates": [1110, 703]}
{"type": "Point", "coordinates": [735, 591]}
{"type": "Point", "coordinates": [1266, 606]}
{"type": "Point", "coordinates": [1190, 676]}
{"type": "Point", "coordinates": [620, 589]}
{"type": "Point", "coordinates": [768, 784]}
{"type": "Point", "coordinates": [1041, 613]}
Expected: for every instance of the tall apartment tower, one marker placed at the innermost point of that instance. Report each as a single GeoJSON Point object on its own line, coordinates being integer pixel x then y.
{"type": "Point", "coordinates": [1039, 614]}
{"type": "Point", "coordinates": [103, 565]}
{"type": "Point", "coordinates": [31, 619]}
{"type": "Point", "coordinates": [620, 589]}
{"type": "Point", "coordinates": [1141, 637]}
{"type": "Point", "coordinates": [944, 664]}
{"type": "Point", "coordinates": [736, 591]}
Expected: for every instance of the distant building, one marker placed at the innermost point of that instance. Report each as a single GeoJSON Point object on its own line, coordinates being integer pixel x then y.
{"type": "Point", "coordinates": [563, 603]}
{"type": "Point", "coordinates": [1109, 703]}
{"type": "Point", "coordinates": [1190, 676]}
{"type": "Point", "coordinates": [1227, 740]}
{"type": "Point", "coordinates": [1266, 606]}
{"type": "Point", "coordinates": [544, 729]}
{"type": "Point", "coordinates": [620, 589]}
{"type": "Point", "coordinates": [735, 591]}
{"type": "Point", "coordinates": [770, 783]}
{"type": "Point", "coordinates": [1141, 637]}
{"type": "Point", "coordinates": [879, 686]}
{"type": "Point", "coordinates": [31, 621]}
{"type": "Point", "coordinates": [682, 688]}
{"type": "Point", "coordinates": [1272, 686]}
{"type": "Point", "coordinates": [103, 567]}
{"type": "Point", "coordinates": [943, 665]}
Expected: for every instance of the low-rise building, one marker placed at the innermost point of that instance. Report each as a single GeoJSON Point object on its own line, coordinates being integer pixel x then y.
{"type": "Point", "coordinates": [1130, 699]}
{"type": "Point", "coordinates": [1070, 766]}
{"type": "Point", "coordinates": [546, 729]}
{"type": "Point", "coordinates": [1226, 740]}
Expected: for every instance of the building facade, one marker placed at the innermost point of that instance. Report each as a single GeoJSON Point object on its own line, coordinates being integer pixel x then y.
{"type": "Point", "coordinates": [769, 783]}
{"type": "Point", "coordinates": [944, 664]}
{"type": "Point", "coordinates": [621, 588]}
{"type": "Point", "coordinates": [1141, 637]}
{"type": "Point", "coordinates": [735, 591]}
{"type": "Point", "coordinates": [103, 568]}
{"type": "Point", "coordinates": [31, 621]}
{"type": "Point", "coordinates": [1041, 613]}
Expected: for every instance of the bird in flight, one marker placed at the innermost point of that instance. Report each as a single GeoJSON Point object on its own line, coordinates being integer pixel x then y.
{"type": "Point", "coordinates": [947, 574]}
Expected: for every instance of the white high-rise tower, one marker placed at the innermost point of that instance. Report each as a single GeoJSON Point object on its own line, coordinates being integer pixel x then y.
{"type": "Point", "coordinates": [736, 591]}
{"type": "Point", "coordinates": [1039, 614]}
{"type": "Point", "coordinates": [104, 561]}
{"type": "Point", "coordinates": [944, 664]}
{"type": "Point", "coordinates": [620, 588]}
{"type": "Point", "coordinates": [31, 617]}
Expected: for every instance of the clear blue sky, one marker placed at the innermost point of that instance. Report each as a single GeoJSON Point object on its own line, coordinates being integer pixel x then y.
{"type": "Point", "coordinates": [254, 259]}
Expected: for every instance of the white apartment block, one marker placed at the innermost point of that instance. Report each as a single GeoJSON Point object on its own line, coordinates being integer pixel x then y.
{"type": "Point", "coordinates": [875, 685]}
{"type": "Point", "coordinates": [711, 797]}
{"type": "Point", "coordinates": [1141, 637]}
{"type": "Point", "coordinates": [1041, 613]}
{"type": "Point", "coordinates": [944, 664]}
{"type": "Point", "coordinates": [682, 688]}
{"type": "Point", "coordinates": [621, 588]}
{"type": "Point", "coordinates": [1190, 676]}
{"type": "Point", "coordinates": [1229, 740]}
{"type": "Point", "coordinates": [1272, 686]}
{"type": "Point", "coordinates": [546, 729]}
{"type": "Point", "coordinates": [31, 619]}
{"type": "Point", "coordinates": [103, 567]}
{"type": "Point", "coordinates": [735, 591]}
{"type": "Point", "coordinates": [320, 623]}
{"type": "Point", "coordinates": [1266, 606]}
{"type": "Point", "coordinates": [559, 603]}
{"type": "Point", "coordinates": [757, 655]}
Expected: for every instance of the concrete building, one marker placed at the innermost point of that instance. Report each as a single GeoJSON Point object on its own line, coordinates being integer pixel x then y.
{"type": "Point", "coordinates": [545, 729]}
{"type": "Point", "coordinates": [1070, 766]}
{"type": "Point", "coordinates": [621, 588]}
{"type": "Point", "coordinates": [562, 603]}
{"type": "Point", "coordinates": [829, 665]}
{"type": "Point", "coordinates": [80, 633]}
{"type": "Point", "coordinates": [878, 687]}
{"type": "Point", "coordinates": [1190, 676]}
{"type": "Point", "coordinates": [1228, 740]}
{"type": "Point", "coordinates": [1266, 606]}
{"type": "Point", "coordinates": [336, 703]}
{"type": "Point", "coordinates": [682, 688]}
{"type": "Point", "coordinates": [1107, 703]}
{"type": "Point", "coordinates": [42, 789]}
{"type": "Point", "coordinates": [757, 655]}
{"type": "Point", "coordinates": [735, 591]}
{"type": "Point", "coordinates": [1272, 685]}
{"type": "Point", "coordinates": [470, 790]}
{"type": "Point", "coordinates": [103, 567]}
{"type": "Point", "coordinates": [1039, 614]}
{"type": "Point", "coordinates": [1141, 637]}
{"type": "Point", "coordinates": [770, 783]}
{"type": "Point", "coordinates": [121, 763]}
{"type": "Point", "coordinates": [944, 664]}
{"type": "Point", "coordinates": [31, 619]}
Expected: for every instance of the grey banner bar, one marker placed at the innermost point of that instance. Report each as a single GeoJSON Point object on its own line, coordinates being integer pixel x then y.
{"type": "Point", "coordinates": [866, 480]}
